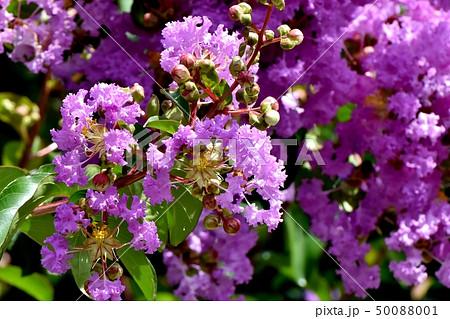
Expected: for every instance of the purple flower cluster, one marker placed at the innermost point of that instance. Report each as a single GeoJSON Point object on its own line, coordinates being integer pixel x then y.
{"type": "Point", "coordinates": [211, 264]}
{"type": "Point", "coordinates": [85, 137]}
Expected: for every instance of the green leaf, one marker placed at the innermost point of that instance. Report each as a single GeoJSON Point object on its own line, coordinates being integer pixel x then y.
{"type": "Point", "coordinates": [296, 245]}
{"type": "Point", "coordinates": [38, 228]}
{"type": "Point", "coordinates": [178, 100]}
{"type": "Point", "coordinates": [36, 285]}
{"type": "Point", "coordinates": [81, 263]}
{"type": "Point", "coordinates": [220, 90]}
{"type": "Point", "coordinates": [344, 113]}
{"type": "Point", "coordinates": [210, 79]}
{"type": "Point", "coordinates": [8, 174]}
{"type": "Point", "coordinates": [12, 152]}
{"type": "Point", "coordinates": [163, 124]}
{"type": "Point", "coordinates": [77, 196]}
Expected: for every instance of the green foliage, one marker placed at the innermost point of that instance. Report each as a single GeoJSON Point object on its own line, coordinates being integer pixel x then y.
{"type": "Point", "coordinates": [178, 100]}
{"type": "Point", "coordinates": [163, 124]}
{"type": "Point", "coordinates": [81, 262]}
{"type": "Point", "coordinates": [344, 113]}
{"type": "Point", "coordinates": [220, 90]}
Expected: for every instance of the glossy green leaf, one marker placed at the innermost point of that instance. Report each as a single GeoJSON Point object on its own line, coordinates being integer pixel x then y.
{"type": "Point", "coordinates": [344, 113]}
{"type": "Point", "coordinates": [163, 124]}
{"type": "Point", "coordinates": [210, 79]}
{"type": "Point", "coordinates": [220, 90]}
{"type": "Point", "coordinates": [12, 152]}
{"type": "Point", "coordinates": [38, 228]}
{"type": "Point", "coordinates": [178, 100]}
{"type": "Point", "coordinates": [8, 174]}
{"type": "Point", "coordinates": [81, 263]}
{"type": "Point", "coordinates": [36, 285]}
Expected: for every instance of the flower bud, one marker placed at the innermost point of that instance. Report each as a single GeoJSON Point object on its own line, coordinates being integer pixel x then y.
{"type": "Point", "coordinates": [153, 106]}
{"type": "Point", "coordinates": [255, 119]}
{"type": "Point", "coordinates": [252, 39]}
{"type": "Point", "coordinates": [245, 78]}
{"type": "Point", "coordinates": [189, 92]}
{"type": "Point", "coordinates": [101, 182]}
{"type": "Point", "coordinates": [149, 20]}
{"type": "Point", "coordinates": [246, 19]}
{"type": "Point", "coordinates": [235, 12]}
{"type": "Point", "coordinates": [209, 201]}
{"type": "Point", "coordinates": [241, 96]}
{"type": "Point", "coordinates": [188, 60]}
{"type": "Point", "coordinates": [166, 105]}
{"type": "Point", "coordinates": [272, 117]}
{"type": "Point", "coordinates": [269, 34]}
{"type": "Point", "coordinates": [205, 65]}
{"type": "Point", "coordinates": [212, 222]}
{"type": "Point", "coordinates": [231, 226]}
{"type": "Point", "coordinates": [279, 4]}
{"type": "Point", "coordinates": [114, 271]}
{"type": "Point", "coordinates": [180, 74]}
{"type": "Point", "coordinates": [236, 66]}
{"type": "Point", "coordinates": [265, 107]}
{"type": "Point", "coordinates": [296, 35]}
{"type": "Point", "coordinates": [246, 8]}
{"type": "Point", "coordinates": [283, 30]}
{"type": "Point", "coordinates": [287, 44]}
{"type": "Point", "coordinates": [273, 103]}
{"type": "Point", "coordinates": [253, 90]}
{"type": "Point", "coordinates": [137, 91]}
{"type": "Point", "coordinates": [242, 48]}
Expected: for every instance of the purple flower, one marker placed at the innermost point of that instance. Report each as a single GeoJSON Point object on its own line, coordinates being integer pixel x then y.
{"type": "Point", "coordinates": [68, 167]}
{"type": "Point", "coordinates": [145, 236]}
{"type": "Point", "coordinates": [410, 273]}
{"type": "Point", "coordinates": [102, 289]}
{"type": "Point", "coordinates": [117, 142]}
{"type": "Point", "coordinates": [56, 260]}
{"type": "Point", "coordinates": [67, 219]}
{"type": "Point", "coordinates": [158, 190]}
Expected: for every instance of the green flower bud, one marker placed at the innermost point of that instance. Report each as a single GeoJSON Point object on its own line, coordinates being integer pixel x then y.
{"type": "Point", "coordinates": [166, 104]}
{"type": "Point", "coordinates": [296, 35]}
{"type": "Point", "coordinates": [251, 99]}
{"type": "Point", "coordinates": [114, 271]}
{"type": "Point", "coordinates": [242, 48]}
{"type": "Point", "coordinates": [252, 39]}
{"type": "Point", "coordinates": [253, 90]}
{"type": "Point", "coordinates": [255, 119]}
{"type": "Point", "coordinates": [212, 222]}
{"type": "Point", "coordinates": [265, 107]}
{"type": "Point", "coordinates": [153, 106]}
{"type": "Point", "coordinates": [246, 8]}
{"type": "Point", "coordinates": [246, 19]}
{"type": "Point", "coordinates": [209, 201]}
{"type": "Point", "coordinates": [241, 96]}
{"type": "Point", "coordinates": [188, 60]}
{"type": "Point", "coordinates": [272, 117]}
{"type": "Point", "coordinates": [235, 13]}
{"type": "Point", "coordinates": [279, 4]}
{"type": "Point", "coordinates": [283, 30]}
{"type": "Point", "coordinates": [273, 103]}
{"type": "Point", "coordinates": [180, 74]}
{"type": "Point", "coordinates": [246, 32]}
{"type": "Point", "coordinates": [245, 78]}
{"type": "Point", "coordinates": [287, 44]}
{"type": "Point", "coordinates": [236, 66]}
{"type": "Point", "coordinates": [189, 92]}
{"type": "Point", "coordinates": [137, 92]}
{"type": "Point", "coordinates": [205, 65]}
{"type": "Point", "coordinates": [231, 226]}
{"type": "Point", "coordinates": [269, 34]}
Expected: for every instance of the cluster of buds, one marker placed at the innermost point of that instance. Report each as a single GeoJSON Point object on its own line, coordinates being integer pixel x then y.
{"type": "Point", "coordinates": [241, 12]}
{"type": "Point", "coordinates": [182, 76]}
{"type": "Point", "coordinates": [221, 218]}
{"type": "Point", "coordinates": [289, 38]}
{"type": "Point", "coordinates": [267, 116]}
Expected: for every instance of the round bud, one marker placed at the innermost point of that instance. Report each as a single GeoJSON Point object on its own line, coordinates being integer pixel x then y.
{"type": "Point", "coordinates": [241, 96]}
{"type": "Point", "coordinates": [254, 118]}
{"type": "Point", "coordinates": [114, 271]}
{"type": "Point", "coordinates": [273, 103]}
{"type": "Point", "coordinates": [235, 12]}
{"type": "Point", "coordinates": [245, 78]}
{"type": "Point", "coordinates": [287, 44]}
{"type": "Point", "coordinates": [283, 30]}
{"type": "Point", "coordinates": [296, 35]}
{"type": "Point", "coordinates": [212, 222]}
{"type": "Point", "coordinates": [272, 117]}
{"type": "Point", "coordinates": [269, 34]}
{"type": "Point", "coordinates": [205, 65]}
{"type": "Point", "coordinates": [253, 90]}
{"type": "Point", "coordinates": [209, 201]}
{"type": "Point", "coordinates": [180, 74]}
{"type": "Point", "coordinates": [166, 104]}
{"type": "Point", "coordinates": [149, 20]}
{"type": "Point", "coordinates": [137, 91]}
{"type": "Point", "coordinates": [236, 66]}
{"type": "Point", "coordinates": [101, 182]}
{"type": "Point", "coordinates": [246, 8]}
{"type": "Point", "coordinates": [153, 106]}
{"type": "Point", "coordinates": [231, 226]}
{"type": "Point", "coordinates": [265, 107]}
{"type": "Point", "coordinates": [246, 19]}
{"type": "Point", "coordinates": [252, 39]}
{"type": "Point", "coordinates": [188, 60]}
{"type": "Point", "coordinates": [242, 48]}
{"type": "Point", "coordinates": [189, 92]}
{"type": "Point", "coordinates": [279, 4]}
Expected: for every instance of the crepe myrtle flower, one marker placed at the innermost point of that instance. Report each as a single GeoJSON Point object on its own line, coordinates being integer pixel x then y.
{"type": "Point", "coordinates": [91, 131]}
{"type": "Point", "coordinates": [99, 217]}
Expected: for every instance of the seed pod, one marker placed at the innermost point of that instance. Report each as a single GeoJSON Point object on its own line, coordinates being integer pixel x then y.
{"type": "Point", "coordinates": [296, 35]}
{"type": "Point", "coordinates": [235, 12]}
{"type": "Point", "coordinates": [283, 30]}
{"type": "Point", "coordinates": [272, 117]}
{"type": "Point", "coordinates": [231, 226]}
{"type": "Point", "coordinates": [180, 74]}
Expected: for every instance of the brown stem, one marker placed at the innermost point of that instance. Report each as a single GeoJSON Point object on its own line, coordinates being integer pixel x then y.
{"type": "Point", "coordinates": [272, 41]}
{"type": "Point", "coordinates": [215, 106]}
{"type": "Point", "coordinates": [47, 208]}
{"type": "Point", "coordinates": [194, 108]}
{"type": "Point", "coordinates": [209, 92]}
{"type": "Point", "coordinates": [42, 104]}
{"type": "Point", "coordinates": [127, 180]}
{"type": "Point", "coordinates": [242, 111]}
